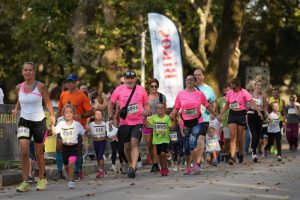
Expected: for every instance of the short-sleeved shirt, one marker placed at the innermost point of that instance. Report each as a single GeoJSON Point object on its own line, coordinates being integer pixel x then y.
{"type": "Point", "coordinates": [98, 130]}
{"type": "Point", "coordinates": [154, 102]}
{"type": "Point", "coordinates": [161, 129]}
{"type": "Point", "coordinates": [136, 104]}
{"type": "Point", "coordinates": [238, 100]}
{"type": "Point", "coordinates": [212, 143]}
{"type": "Point", "coordinates": [292, 114]}
{"type": "Point", "coordinates": [77, 99]}
{"type": "Point", "coordinates": [69, 133]}
{"type": "Point", "coordinates": [273, 126]}
{"type": "Point", "coordinates": [190, 104]}
{"type": "Point", "coordinates": [210, 96]}
{"type": "Point", "coordinates": [221, 103]}
{"type": "Point", "coordinates": [280, 101]}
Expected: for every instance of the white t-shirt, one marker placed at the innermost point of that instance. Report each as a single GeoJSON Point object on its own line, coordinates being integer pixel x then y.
{"type": "Point", "coordinates": [212, 143]}
{"type": "Point", "coordinates": [98, 130]}
{"type": "Point", "coordinates": [69, 133]}
{"type": "Point", "coordinates": [273, 126]}
{"type": "Point", "coordinates": [1, 96]}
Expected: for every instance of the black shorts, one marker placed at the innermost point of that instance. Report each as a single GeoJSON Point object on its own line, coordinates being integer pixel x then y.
{"type": "Point", "coordinates": [264, 132]}
{"type": "Point", "coordinates": [237, 117]}
{"type": "Point", "coordinates": [162, 148]}
{"type": "Point", "coordinates": [37, 130]}
{"type": "Point", "coordinates": [204, 128]}
{"type": "Point", "coordinates": [68, 151]}
{"type": "Point", "coordinates": [126, 132]}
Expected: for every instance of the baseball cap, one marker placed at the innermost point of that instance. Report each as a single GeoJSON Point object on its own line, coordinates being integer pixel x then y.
{"type": "Point", "coordinates": [130, 73]}
{"type": "Point", "coordinates": [72, 77]}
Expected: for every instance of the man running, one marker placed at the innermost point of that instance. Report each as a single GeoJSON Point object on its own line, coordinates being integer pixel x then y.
{"type": "Point", "coordinates": [130, 130]}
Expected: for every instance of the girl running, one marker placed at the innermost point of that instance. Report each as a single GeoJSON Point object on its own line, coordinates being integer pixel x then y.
{"type": "Point", "coordinates": [274, 130]}
{"type": "Point", "coordinates": [97, 129]}
{"type": "Point", "coordinates": [69, 130]}
{"type": "Point", "coordinates": [161, 124]}
{"type": "Point", "coordinates": [212, 147]}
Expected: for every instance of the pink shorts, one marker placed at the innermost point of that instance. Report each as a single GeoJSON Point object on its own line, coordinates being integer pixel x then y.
{"type": "Point", "coordinates": [147, 131]}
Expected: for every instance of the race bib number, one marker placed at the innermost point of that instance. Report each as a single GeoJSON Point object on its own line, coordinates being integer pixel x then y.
{"type": "Point", "coordinates": [291, 111]}
{"type": "Point", "coordinates": [23, 132]}
{"type": "Point", "coordinates": [68, 135]}
{"type": "Point", "coordinates": [203, 109]}
{"type": "Point", "coordinates": [190, 112]}
{"type": "Point", "coordinates": [133, 108]}
{"type": "Point", "coordinates": [99, 131]}
{"type": "Point", "coordinates": [234, 105]}
{"type": "Point", "coordinates": [257, 102]}
{"type": "Point", "coordinates": [160, 128]}
{"type": "Point", "coordinates": [173, 136]}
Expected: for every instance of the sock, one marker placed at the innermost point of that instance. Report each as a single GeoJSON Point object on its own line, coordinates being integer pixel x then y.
{"type": "Point", "coordinates": [59, 161]}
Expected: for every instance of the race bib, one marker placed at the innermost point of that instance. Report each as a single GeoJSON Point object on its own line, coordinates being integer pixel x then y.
{"type": "Point", "coordinates": [68, 135]}
{"type": "Point", "coordinates": [133, 108]}
{"type": "Point", "coordinates": [173, 136]}
{"type": "Point", "coordinates": [190, 112]}
{"type": "Point", "coordinates": [257, 102]}
{"type": "Point", "coordinates": [234, 105]}
{"type": "Point", "coordinates": [203, 109]}
{"type": "Point", "coordinates": [291, 111]}
{"type": "Point", "coordinates": [99, 131]}
{"type": "Point", "coordinates": [23, 132]}
{"type": "Point", "coordinates": [160, 127]}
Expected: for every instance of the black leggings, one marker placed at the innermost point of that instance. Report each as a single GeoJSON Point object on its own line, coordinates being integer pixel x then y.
{"type": "Point", "coordinates": [255, 126]}
{"type": "Point", "coordinates": [116, 146]}
{"type": "Point", "coordinates": [277, 137]}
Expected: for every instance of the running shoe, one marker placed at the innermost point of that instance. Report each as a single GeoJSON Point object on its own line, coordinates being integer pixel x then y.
{"type": "Point", "coordinates": [23, 187]}
{"type": "Point", "coordinates": [197, 170]}
{"type": "Point", "coordinates": [59, 176]}
{"type": "Point", "coordinates": [230, 161]}
{"type": "Point", "coordinates": [162, 171]}
{"type": "Point", "coordinates": [41, 184]}
{"type": "Point", "coordinates": [254, 157]}
{"type": "Point", "coordinates": [241, 159]}
{"type": "Point", "coordinates": [215, 163]}
{"type": "Point", "coordinates": [187, 171]}
{"type": "Point", "coordinates": [124, 168]}
{"type": "Point", "coordinates": [71, 184]}
{"type": "Point", "coordinates": [155, 168]}
{"type": "Point", "coordinates": [76, 177]}
{"type": "Point", "coordinates": [30, 179]}
{"type": "Point", "coordinates": [279, 158]}
{"type": "Point", "coordinates": [131, 173]}
{"type": "Point", "coordinates": [100, 174]}
{"type": "Point", "coordinates": [166, 171]}
{"type": "Point", "coordinates": [113, 168]}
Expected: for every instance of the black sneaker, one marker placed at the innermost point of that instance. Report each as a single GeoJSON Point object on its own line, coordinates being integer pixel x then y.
{"type": "Point", "coordinates": [241, 159]}
{"type": "Point", "coordinates": [131, 173]}
{"type": "Point", "coordinates": [226, 158]}
{"type": "Point", "coordinates": [155, 168]}
{"type": "Point", "coordinates": [59, 176]}
{"type": "Point", "coordinates": [230, 160]}
{"type": "Point", "coordinates": [254, 157]}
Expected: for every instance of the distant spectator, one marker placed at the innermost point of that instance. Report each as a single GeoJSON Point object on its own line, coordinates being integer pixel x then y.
{"type": "Point", "coordinates": [84, 89]}
{"type": "Point", "coordinates": [54, 96]}
{"type": "Point", "coordinates": [1, 96]}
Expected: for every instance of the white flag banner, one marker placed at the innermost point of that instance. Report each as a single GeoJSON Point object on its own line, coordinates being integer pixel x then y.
{"type": "Point", "coordinates": [167, 64]}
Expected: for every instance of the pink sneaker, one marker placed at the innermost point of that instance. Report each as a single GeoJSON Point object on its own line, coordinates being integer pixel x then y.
{"type": "Point", "coordinates": [100, 174]}
{"type": "Point", "coordinates": [196, 169]}
{"type": "Point", "coordinates": [187, 171]}
{"type": "Point", "coordinates": [166, 171]}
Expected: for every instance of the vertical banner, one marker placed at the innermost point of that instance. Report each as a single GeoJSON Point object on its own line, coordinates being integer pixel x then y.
{"type": "Point", "coordinates": [167, 64]}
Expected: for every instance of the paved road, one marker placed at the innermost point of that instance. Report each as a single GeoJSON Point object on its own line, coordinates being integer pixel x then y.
{"type": "Point", "coordinates": [268, 179]}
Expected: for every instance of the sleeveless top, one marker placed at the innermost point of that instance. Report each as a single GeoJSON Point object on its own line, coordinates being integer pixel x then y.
{"type": "Point", "coordinates": [31, 104]}
{"type": "Point", "coordinates": [258, 102]}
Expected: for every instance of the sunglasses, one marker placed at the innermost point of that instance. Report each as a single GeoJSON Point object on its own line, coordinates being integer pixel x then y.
{"type": "Point", "coordinates": [153, 86]}
{"type": "Point", "coordinates": [190, 79]}
{"type": "Point", "coordinates": [130, 73]}
{"type": "Point", "coordinates": [69, 81]}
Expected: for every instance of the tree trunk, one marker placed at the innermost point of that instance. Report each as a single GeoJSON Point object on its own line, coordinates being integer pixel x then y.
{"type": "Point", "coordinates": [224, 63]}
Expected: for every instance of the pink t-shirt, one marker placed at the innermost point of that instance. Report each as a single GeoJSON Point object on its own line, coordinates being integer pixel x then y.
{"type": "Point", "coordinates": [136, 104]}
{"type": "Point", "coordinates": [190, 104]}
{"type": "Point", "coordinates": [238, 100]}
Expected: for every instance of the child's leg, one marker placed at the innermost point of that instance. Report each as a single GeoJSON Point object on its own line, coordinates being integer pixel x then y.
{"type": "Point", "coordinates": [72, 160]}
{"type": "Point", "coordinates": [113, 146]}
{"type": "Point", "coordinates": [278, 143]}
{"type": "Point", "coordinates": [101, 151]}
{"type": "Point", "coordinates": [208, 158]}
{"type": "Point", "coordinates": [215, 155]}
{"type": "Point", "coordinates": [270, 141]}
{"type": "Point", "coordinates": [67, 172]}
{"type": "Point", "coordinates": [163, 160]}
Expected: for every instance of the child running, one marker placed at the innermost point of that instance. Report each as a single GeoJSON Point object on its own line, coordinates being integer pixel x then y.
{"type": "Point", "coordinates": [97, 129]}
{"type": "Point", "coordinates": [161, 124]}
{"type": "Point", "coordinates": [274, 130]}
{"type": "Point", "coordinates": [69, 130]}
{"type": "Point", "coordinates": [212, 147]}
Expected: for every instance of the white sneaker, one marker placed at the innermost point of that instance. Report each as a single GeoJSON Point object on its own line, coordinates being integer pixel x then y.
{"type": "Point", "coordinates": [71, 185]}
{"type": "Point", "coordinates": [176, 169]}
{"type": "Point", "coordinates": [113, 168]}
{"type": "Point", "coordinates": [139, 164]}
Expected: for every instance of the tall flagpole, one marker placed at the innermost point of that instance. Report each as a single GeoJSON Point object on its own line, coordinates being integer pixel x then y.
{"type": "Point", "coordinates": [143, 37]}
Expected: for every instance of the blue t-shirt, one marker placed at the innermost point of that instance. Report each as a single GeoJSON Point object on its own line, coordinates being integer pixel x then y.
{"type": "Point", "coordinates": [210, 96]}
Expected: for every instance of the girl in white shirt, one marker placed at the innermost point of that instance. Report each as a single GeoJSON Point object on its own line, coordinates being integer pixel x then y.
{"type": "Point", "coordinates": [69, 130]}
{"type": "Point", "coordinates": [274, 130]}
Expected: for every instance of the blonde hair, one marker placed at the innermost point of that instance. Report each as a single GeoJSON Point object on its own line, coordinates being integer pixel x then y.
{"type": "Point", "coordinates": [68, 106]}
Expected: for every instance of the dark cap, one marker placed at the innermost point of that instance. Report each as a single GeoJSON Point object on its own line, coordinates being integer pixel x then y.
{"type": "Point", "coordinates": [72, 77]}
{"type": "Point", "coordinates": [130, 74]}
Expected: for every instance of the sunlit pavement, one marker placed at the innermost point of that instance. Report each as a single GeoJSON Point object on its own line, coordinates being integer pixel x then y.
{"type": "Point", "coordinates": [268, 179]}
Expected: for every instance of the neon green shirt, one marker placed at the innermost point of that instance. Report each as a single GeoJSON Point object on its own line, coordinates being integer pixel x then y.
{"type": "Point", "coordinates": [221, 103]}
{"type": "Point", "coordinates": [161, 129]}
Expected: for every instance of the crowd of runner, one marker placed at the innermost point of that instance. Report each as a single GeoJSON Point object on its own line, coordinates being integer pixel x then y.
{"type": "Point", "coordinates": [200, 128]}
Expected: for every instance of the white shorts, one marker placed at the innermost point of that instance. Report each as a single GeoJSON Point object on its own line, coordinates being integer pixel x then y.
{"type": "Point", "coordinates": [226, 132]}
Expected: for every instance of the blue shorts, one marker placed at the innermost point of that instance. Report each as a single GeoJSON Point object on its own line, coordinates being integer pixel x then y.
{"type": "Point", "coordinates": [191, 137]}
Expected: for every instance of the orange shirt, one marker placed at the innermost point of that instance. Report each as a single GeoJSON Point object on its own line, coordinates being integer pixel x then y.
{"type": "Point", "coordinates": [80, 102]}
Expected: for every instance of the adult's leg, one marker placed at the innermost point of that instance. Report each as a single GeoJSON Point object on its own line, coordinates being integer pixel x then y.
{"type": "Point", "coordinates": [233, 138]}
{"type": "Point", "coordinates": [134, 151]}
{"type": "Point", "coordinates": [24, 148]}
{"type": "Point", "coordinates": [114, 147]}
{"type": "Point", "coordinates": [39, 153]}
{"type": "Point", "coordinates": [241, 138]}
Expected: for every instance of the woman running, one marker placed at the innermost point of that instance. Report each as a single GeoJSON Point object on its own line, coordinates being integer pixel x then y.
{"type": "Point", "coordinates": [31, 94]}
{"type": "Point", "coordinates": [236, 100]}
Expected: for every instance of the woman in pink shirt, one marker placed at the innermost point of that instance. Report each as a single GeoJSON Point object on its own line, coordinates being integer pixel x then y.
{"type": "Point", "coordinates": [236, 100]}
{"type": "Point", "coordinates": [189, 102]}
